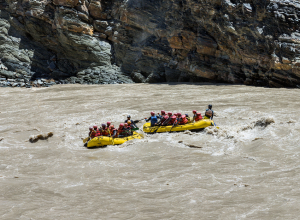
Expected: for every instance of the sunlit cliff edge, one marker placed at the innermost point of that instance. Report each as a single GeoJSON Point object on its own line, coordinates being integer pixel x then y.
{"type": "Point", "coordinates": [253, 42]}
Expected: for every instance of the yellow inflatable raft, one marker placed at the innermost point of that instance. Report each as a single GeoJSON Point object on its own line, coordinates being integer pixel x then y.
{"type": "Point", "coordinates": [104, 140]}
{"type": "Point", "coordinates": [189, 126]}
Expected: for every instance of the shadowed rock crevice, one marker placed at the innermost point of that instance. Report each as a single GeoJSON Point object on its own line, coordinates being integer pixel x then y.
{"type": "Point", "coordinates": [79, 41]}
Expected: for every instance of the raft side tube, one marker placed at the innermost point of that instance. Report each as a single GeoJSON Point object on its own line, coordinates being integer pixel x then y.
{"type": "Point", "coordinates": [104, 140]}
{"type": "Point", "coordinates": [189, 126]}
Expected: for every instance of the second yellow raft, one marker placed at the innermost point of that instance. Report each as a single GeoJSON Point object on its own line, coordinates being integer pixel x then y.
{"type": "Point", "coordinates": [104, 140]}
{"type": "Point", "coordinates": [189, 126]}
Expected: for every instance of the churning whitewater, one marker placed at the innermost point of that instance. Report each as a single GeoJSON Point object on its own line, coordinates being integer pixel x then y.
{"type": "Point", "coordinates": [246, 169]}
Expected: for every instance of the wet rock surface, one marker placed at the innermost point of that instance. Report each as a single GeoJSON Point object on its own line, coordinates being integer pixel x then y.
{"type": "Point", "coordinates": [103, 42]}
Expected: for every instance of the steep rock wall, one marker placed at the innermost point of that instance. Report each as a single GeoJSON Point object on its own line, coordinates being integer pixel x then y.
{"type": "Point", "coordinates": [255, 42]}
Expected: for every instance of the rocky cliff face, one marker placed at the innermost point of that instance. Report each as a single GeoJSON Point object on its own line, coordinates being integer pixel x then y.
{"type": "Point", "coordinates": [254, 42]}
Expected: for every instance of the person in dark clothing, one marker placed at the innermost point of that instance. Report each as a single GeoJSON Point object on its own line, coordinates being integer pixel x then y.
{"type": "Point", "coordinates": [152, 119]}
{"type": "Point", "coordinates": [209, 113]}
{"type": "Point", "coordinates": [132, 122]}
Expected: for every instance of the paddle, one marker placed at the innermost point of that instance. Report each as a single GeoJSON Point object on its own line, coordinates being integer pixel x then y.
{"type": "Point", "coordinates": [86, 139]}
{"type": "Point", "coordinates": [157, 129]}
{"type": "Point", "coordinates": [113, 142]}
{"type": "Point", "coordinates": [137, 121]}
{"type": "Point", "coordinates": [172, 126]}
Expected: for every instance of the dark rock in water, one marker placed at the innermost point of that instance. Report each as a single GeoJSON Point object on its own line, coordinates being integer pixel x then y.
{"type": "Point", "coordinates": [249, 42]}
{"type": "Point", "coordinates": [154, 78]}
{"type": "Point", "coordinates": [138, 77]}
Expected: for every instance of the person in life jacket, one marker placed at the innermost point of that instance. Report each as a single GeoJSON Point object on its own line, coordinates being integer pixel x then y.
{"type": "Point", "coordinates": [152, 119]}
{"type": "Point", "coordinates": [182, 120]}
{"type": "Point", "coordinates": [130, 127]}
{"type": "Point", "coordinates": [93, 132]}
{"type": "Point", "coordinates": [113, 131]}
{"type": "Point", "coordinates": [132, 122]}
{"type": "Point", "coordinates": [173, 120]}
{"type": "Point", "coordinates": [194, 114]}
{"type": "Point", "coordinates": [121, 130]}
{"type": "Point", "coordinates": [163, 119]}
{"type": "Point", "coordinates": [163, 113]}
{"type": "Point", "coordinates": [104, 130]}
{"type": "Point", "coordinates": [98, 132]}
{"type": "Point", "coordinates": [127, 130]}
{"type": "Point", "coordinates": [166, 122]}
{"type": "Point", "coordinates": [178, 117]}
{"type": "Point", "coordinates": [198, 117]}
{"type": "Point", "coordinates": [209, 113]}
{"type": "Point", "coordinates": [188, 118]}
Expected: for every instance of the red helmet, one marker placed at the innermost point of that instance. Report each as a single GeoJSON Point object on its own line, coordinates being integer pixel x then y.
{"type": "Point", "coordinates": [170, 113]}
{"type": "Point", "coordinates": [91, 128]}
{"type": "Point", "coordinates": [108, 123]}
{"type": "Point", "coordinates": [179, 114]}
{"type": "Point", "coordinates": [163, 112]}
{"type": "Point", "coordinates": [194, 111]}
{"type": "Point", "coordinates": [198, 114]}
{"type": "Point", "coordinates": [166, 117]}
{"type": "Point", "coordinates": [95, 127]}
{"type": "Point", "coordinates": [152, 113]}
{"type": "Point", "coordinates": [121, 125]}
{"type": "Point", "coordinates": [112, 126]}
{"type": "Point", "coordinates": [175, 114]}
{"type": "Point", "coordinates": [126, 124]}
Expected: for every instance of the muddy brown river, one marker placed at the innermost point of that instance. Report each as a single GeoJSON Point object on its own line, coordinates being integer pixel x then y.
{"type": "Point", "coordinates": [247, 169]}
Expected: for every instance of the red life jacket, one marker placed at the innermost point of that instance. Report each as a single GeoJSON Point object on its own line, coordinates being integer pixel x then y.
{"type": "Point", "coordinates": [173, 120]}
{"type": "Point", "coordinates": [98, 133]}
{"type": "Point", "coordinates": [183, 120]}
{"type": "Point", "coordinates": [105, 132]}
{"type": "Point", "coordinates": [93, 134]}
{"type": "Point", "coordinates": [123, 130]}
{"type": "Point", "coordinates": [198, 117]}
{"type": "Point", "coordinates": [164, 119]}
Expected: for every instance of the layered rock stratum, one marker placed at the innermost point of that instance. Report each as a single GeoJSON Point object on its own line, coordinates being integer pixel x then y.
{"type": "Point", "coordinates": [254, 42]}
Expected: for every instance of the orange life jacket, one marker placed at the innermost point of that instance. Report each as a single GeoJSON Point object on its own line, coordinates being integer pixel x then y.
{"type": "Point", "coordinates": [105, 132]}
{"type": "Point", "coordinates": [198, 117]}
{"type": "Point", "coordinates": [173, 120]}
{"type": "Point", "coordinates": [183, 120]}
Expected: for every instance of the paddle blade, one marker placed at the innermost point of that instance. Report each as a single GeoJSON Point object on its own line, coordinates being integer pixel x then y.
{"type": "Point", "coordinates": [136, 121]}
{"type": "Point", "coordinates": [85, 140]}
